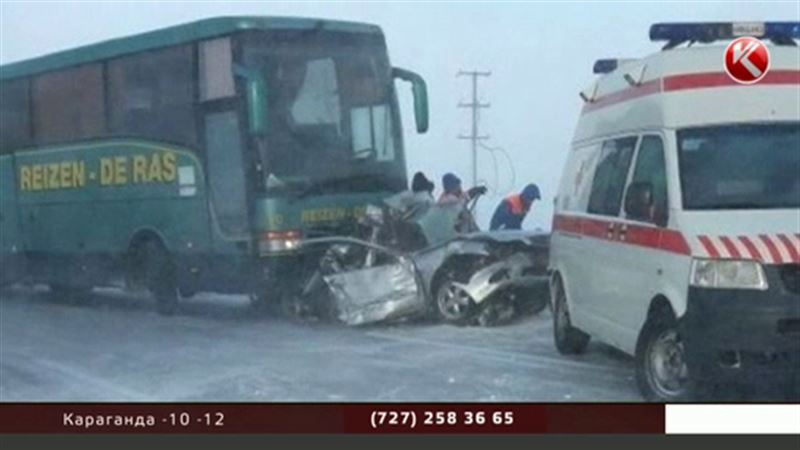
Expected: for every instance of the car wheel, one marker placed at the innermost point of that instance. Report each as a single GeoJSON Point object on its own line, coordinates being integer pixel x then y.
{"type": "Point", "coordinates": [568, 339]}
{"type": "Point", "coordinates": [661, 370]}
{"type": "Point", "coordinates": [453, 304]}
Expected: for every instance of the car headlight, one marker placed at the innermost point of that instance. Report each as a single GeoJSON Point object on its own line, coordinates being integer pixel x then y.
{"type": "Point", "coordinates": [728, 274]}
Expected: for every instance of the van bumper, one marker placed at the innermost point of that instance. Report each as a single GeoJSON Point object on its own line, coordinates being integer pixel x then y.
{"type": "Point", "coordinates": [734, 334]}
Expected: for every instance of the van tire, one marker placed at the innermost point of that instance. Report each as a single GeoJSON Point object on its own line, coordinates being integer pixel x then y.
{"type": "Point", "coordinates": [661, 372]}
{"type": "Point", "coordinates": [568, 339]}
{"type": "Point", "coordinates": [160, 277]}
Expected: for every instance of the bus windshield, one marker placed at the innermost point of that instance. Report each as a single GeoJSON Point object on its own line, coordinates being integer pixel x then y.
{"type": "Point", "coordinates": [749, 166]}
{"type": "Point", "coordinates": [332, 113]}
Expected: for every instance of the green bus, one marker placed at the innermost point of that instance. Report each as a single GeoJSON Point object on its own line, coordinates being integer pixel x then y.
{"type": "Point", "coordinates": [196, 157]}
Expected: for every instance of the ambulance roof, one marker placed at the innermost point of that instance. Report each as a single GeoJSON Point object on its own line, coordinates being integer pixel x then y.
{"type": "Point", "coordinates": [684, 87]}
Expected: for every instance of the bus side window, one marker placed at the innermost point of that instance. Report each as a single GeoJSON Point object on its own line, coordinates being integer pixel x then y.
{"type": "Point", "coordinates": [152, 95]}
{"type": "Point", "coordinates": [216, 69]}
{"type": "Point", "coordinates": [15, 119]}
{"type": "Point", "coordinates": [68, 104]}
{"type": "Point", "coordinates": [610, 176]}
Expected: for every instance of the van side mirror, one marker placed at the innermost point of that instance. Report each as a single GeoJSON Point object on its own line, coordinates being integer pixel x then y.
{"type": "Point", "coordinates": [639, 201]}
{"type": "Point", "coordinates": [420, 92]}
{"type": "Point", "coordinates": [256, 98]}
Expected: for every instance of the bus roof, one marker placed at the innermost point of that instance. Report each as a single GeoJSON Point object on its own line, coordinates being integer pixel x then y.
{"type": "Point", "coordinates": [178, 34]}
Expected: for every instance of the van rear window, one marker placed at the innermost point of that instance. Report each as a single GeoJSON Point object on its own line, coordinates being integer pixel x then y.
{"type": "Point", "coordinates": [745, 166]}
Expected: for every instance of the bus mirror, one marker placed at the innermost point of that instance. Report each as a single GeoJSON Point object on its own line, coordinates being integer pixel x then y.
{"type": "Point", "coordinates": [420, 92]}
{"type": "Point", "coordinates": [256, 97]}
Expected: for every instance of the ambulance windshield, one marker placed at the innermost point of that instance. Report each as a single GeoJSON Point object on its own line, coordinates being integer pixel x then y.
{"type": "Point", "coordinates": [744, 166]}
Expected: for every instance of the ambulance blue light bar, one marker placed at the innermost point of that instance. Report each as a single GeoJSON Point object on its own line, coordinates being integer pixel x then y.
{"type": "Point", "coordinates": [779, 32]}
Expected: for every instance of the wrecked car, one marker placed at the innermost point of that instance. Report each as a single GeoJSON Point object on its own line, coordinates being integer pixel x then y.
{"type": "Point", "coordinates": [419, 259]}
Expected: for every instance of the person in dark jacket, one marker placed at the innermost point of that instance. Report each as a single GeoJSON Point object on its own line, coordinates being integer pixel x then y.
{"type": "Point", "coordinates": [421, 183]}
{"type": "Point", "coordinates": [512, 210]}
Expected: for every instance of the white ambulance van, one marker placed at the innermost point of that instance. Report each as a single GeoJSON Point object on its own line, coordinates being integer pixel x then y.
{"type": "Point", "coordinates": [676, 234]}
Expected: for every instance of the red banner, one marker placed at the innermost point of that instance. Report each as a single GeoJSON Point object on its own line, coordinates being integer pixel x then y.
{"type": "Point", "coordinates": [357, 418]}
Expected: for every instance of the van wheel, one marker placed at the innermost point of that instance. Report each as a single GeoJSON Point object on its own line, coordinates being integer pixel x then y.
{"type": "Point", "coordinates": [569, 340]}
{"type": "Point", "coordinates": [661, 371]}
{"type": "Point", "coordinates": [159, 277]}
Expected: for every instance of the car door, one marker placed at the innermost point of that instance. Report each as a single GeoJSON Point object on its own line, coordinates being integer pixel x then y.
{"type": "Point", "coordinates": [599, 229]}
{"type": "Point", "coordinates": [640, 260]}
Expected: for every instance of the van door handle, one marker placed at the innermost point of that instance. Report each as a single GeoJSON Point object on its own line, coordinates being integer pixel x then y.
{"type": "Point", "coordinates": [610, 231]}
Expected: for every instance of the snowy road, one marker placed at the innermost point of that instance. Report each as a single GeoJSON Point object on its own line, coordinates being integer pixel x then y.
{"type": "Point", "coordinates": [111, 346]}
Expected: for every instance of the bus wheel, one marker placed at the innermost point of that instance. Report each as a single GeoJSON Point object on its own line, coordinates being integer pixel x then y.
{"type": "Point", "coordinates": [569, 340]}
{"type": "Point", "coordinates": [68, 292]}
{"type": "Point", "coordinates": [159, 276]}
{"type": "Point", "coordinates": [661, 371]}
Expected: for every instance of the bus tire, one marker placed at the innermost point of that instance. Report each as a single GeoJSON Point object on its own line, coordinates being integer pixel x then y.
{"type": "Point", "coordinates": [661, 372]}
{"type": "Point", "coordinates": [568, 339]}
{"type": "Point", "coordinates": [160, 277]}
{"type": "Point", "coordinates": [68, 292]}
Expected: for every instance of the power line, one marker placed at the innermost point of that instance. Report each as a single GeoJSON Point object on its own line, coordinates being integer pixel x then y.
{"type": "Point", "coordinates": [475, 106]}
{"type": "Point", "coordinates": [511, 168]}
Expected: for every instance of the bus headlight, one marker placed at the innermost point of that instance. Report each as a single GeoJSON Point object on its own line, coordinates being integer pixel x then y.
{"type": "Point", "coordinates": [373, 216]}
{"type": "Point", "coordinates": [279, 241]}
{"type": "Point", "coordinates": [728, 274]}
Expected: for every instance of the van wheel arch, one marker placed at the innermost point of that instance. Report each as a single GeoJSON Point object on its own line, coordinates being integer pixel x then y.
{"type": "Point", "coordinates": [660, 306]}
{"type": "Point", "coordinates": [568, 339]}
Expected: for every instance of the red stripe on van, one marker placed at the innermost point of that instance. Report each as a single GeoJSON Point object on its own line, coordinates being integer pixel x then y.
{"type": "Point", "coordinates": [793, 253]}
{"type": "Point", "coordinates": [709, 246]}
{"type": "Point", "coordinates": [595, 228]}
{"type": "Point", "coordinates": [730, 246]}
{"type": "Point", "coordinates": [751, 248]}
{"type": "Point", "coordinates": [773, 251]}
{"type": "Point", "coordinates": [673, 241]}
{"type": "Point", "coordinates": [642, 236]}
{"type": "Point", "coordinates": [567, 224]}
{"type": "Point", "coordinates": [687, 81]}
{"type": "Point", "coordinates": [646, 88]}
{"type": "Point", "coordinates": [719, 79]}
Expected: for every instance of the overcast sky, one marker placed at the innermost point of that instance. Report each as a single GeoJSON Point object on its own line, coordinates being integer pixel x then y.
{"type": "Point", "coordinates": [540, 55]}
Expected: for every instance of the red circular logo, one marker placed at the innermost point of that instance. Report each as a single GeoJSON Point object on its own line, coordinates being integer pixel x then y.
{"type": "Point", "coordinates": [746, 60]}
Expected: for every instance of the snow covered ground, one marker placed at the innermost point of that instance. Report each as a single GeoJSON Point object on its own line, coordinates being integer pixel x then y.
{"type": "Point", "coordinates": [112, 346]}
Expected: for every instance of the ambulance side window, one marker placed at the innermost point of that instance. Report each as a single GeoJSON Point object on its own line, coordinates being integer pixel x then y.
{"type": "Point", "coordinates": [650, 173]}
{"type": "Point", "coordinates": [609, 178]}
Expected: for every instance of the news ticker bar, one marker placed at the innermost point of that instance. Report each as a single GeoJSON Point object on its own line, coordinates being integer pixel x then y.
{"type": "Point", "coordinates": [326, 418]}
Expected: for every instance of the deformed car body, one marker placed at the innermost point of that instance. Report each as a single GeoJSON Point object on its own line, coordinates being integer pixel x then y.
{"type": "Point", "coordinates": [461, 277]}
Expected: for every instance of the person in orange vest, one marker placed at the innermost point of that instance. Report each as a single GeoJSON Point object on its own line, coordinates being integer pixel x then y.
{"type": "Point", "coordinates": [512, 210]}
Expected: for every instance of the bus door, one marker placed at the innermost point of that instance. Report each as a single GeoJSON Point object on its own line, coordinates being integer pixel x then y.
{"type": "Point", "coordinates": [11, 240]}
{"type": "Point", "coordinates": [224, 146]}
